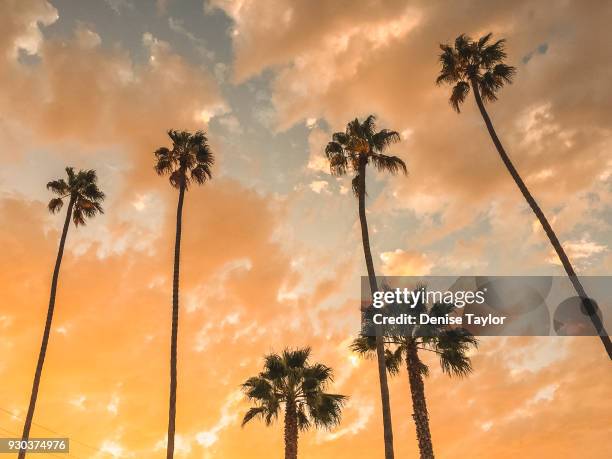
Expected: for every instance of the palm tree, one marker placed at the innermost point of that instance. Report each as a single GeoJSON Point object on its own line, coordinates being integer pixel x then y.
{"type": "Point", "coordinates": [189, 160]}
{"type": "Point", "coordinates": [353, 150]}
{"type": "Point", "coordinates": [403, 344]}
{"type": "Point", "coordinates": [84, 201]}
{"type": "Point", "coordinates": [478, 65]}
{"type": "Point", "coordinates": [291, 380]}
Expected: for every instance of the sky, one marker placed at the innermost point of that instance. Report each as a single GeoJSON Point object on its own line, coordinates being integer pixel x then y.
{"type": "Point", "coordinates": [271, 246]}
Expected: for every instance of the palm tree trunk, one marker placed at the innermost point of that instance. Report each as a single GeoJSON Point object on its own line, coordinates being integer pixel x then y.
{"type": "Point", "coordinates": [603, 334]}
{"type": "Point", "coordinates": [45, 340]}
{"type": "Point", "coordinates": [380, 348]}
{"type": "Point", "coordinates": [291, 430]}
{"type": "Point", "coordinates": [419, 403]}
{"type": "Point", "coordinates": [175, 317]}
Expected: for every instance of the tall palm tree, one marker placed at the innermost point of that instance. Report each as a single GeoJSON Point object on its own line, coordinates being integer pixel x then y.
{"type": "Point", "coordinates": [291, 380]}
{"type": "Point", "coordinates": [352, 150]}
{"type": "Point", "coordinates": [84, 201]}
{"type": "Point", "coordinates": [189, 161]}
{"type": "Point", "coordinates": [479, 66]}
{"type": "Point", "coordinates": [452, 346]}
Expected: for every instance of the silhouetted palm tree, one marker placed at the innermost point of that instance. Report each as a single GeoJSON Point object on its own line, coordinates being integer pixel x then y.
{"type": "Point", "coordinates": [84, 201]}
{"type": "Point", "coordinates": [402, 345]}
{"type": "Point", "coordinates": [478, 65]}
{"type": "Point", "coordinates": [189, 160]}
{"type": "Point", "coordinates": [353, 150]}
{"type": "Point", "coordinates": [290, 380]}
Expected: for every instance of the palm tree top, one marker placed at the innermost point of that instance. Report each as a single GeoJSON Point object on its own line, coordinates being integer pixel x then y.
{"type": "Point", "coordinates": [290, 377]}
{"type": "Point", "coordinates": [190, 158]}
{"type": "Point", "coordinates": [360, 140]}
{"type": "Point", "coordinates": [451, 344]}
{"type": "Point", "coordinates": [474, 61]}
{"type": "Point", "coordinates": [82, 189]}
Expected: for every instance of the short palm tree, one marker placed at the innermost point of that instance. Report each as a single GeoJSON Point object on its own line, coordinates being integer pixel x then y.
{"type": "Point", "coordinates": [479, 66]}
{"type": "Point", "coordinates": [452, 346]}
{"type": "Point", "coordinates": [351, 151]}
{"type": "Point", "coordinates": [84, 201]}
{"type": "Point", "coordinates": [188, 161]}
{"type": "Point", "coordinates": [289, 380]}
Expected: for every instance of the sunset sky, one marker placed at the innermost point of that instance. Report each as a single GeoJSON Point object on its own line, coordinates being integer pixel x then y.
{"type": "Point", "coordinates": [272, 251]}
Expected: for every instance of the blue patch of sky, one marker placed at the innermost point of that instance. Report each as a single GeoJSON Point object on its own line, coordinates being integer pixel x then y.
{"type": "Point", "coordinates": [203, 38]}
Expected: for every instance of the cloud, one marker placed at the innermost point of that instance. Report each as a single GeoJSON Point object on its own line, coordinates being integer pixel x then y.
{"type": "Point", "coordinates": [120, 5]}
{"type": "Point", "coordinates": [319, 186]}
{"type": "Point", "coordinates": [402, 263]}
{"type": "Point", "coordinates": [209, 437]}
{"type": "Point", "coordinates": [21, 25]}
{"type": "Point", "coordinates": [581, 250]}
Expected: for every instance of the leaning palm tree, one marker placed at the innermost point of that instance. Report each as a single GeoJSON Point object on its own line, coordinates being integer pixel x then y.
{"type": "Point", "coordinates": [289, 380]}
{"type": "Point", "coordinates": [452, 345]}
{"type": "Point", "coordinates": [189, 161]}
{"type": "Point", "coordinates": [479, 66]}
{"type": "Point", "coordinates": [84, 201]}
{"type": "Point", "coordinates": [351, 151]}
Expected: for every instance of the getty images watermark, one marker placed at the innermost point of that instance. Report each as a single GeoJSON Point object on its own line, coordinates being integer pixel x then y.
{"type": "Point", "coordinates": [486, 305]}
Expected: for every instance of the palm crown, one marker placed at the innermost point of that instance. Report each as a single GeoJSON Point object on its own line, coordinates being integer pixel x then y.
{"type": "Point", "coordinates": [289, 379]}
{"type": "Point", "coordinates": [190, 158]}
{"type": "Point", "coordinates": [361, 141]}
{"type": "Point", "coordinates": [474, 62]}
{"type": "Point", "coordinates": [82, 189]}
{"type": "Point", "coordinates": [452, 345]}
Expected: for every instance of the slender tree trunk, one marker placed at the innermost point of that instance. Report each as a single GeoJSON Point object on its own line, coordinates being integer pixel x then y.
{"type": "Point", "coordinates": [380, 348]}
{"type": "Point", "coordinates": [175, 319]}
{"type": "Point", "coordinates": [419, 402]}
{"type": "Point", "coordinates": [291, 430]}
{"type": "Point", "coordinates": [603, 334]}
{"type": "Point", "coordinates": [45, 340]}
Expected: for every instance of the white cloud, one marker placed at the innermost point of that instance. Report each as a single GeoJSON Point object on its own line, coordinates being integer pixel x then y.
{"type": "Point", "coordinates": [318, 186]}
{"type": "Point", "coordinates": [582, 249]}
{"type": "Point", "coordinates": [209, 437]}
{"type": "Point", "coordinates": [86, 37]}
{"type": "Point", "coordinates": [31, 38]}
{"type": "Point", "coordinates": [113, 405]}
{"type": "Point", "coordinates": [79, 402]}
{"type": "Point", "coordinates": [364, 413]}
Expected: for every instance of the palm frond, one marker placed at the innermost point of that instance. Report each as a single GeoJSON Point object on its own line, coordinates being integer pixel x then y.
{"type": "Point", "coordinates": [364, 345]}
{"type": "Point", "coordinates": [482, 41]}
{"type": "Point", "coordinates": [460, 92]}
{"type": "Point", "coordinates": [383, 139]}
{"type": "Point", "coordinates": [449, 62]}
{"type": "Point", "coordinates": [59, 187]}
{"type": "Point", "coordinates": [302, 418]}
{"type": "Point", "coordinates": [355, 185]}
{"type": "Point", "coordinates": [368, 127]}
{"type": "Point", "coordinates": [504, 73]}
{"type": "Point", "coordinates": [257, 411]}
{"type": "Point", "coordinates": [55, 205]}
{"type": "Point", "coordinates": [493, 54]}
{"type": "Point", "coordinates": [77, 217]}
{"type": "Point", "coordinates": [258, 388]}
{"type": "Point", "coordinates": [201, 173]}
{"type": "Point", "coordinates": [327, 412]}
{"type": "Point", "coordinates": [455, 363]}
{"type": "Point", "coordinates": [341, 138]}
{"type": "Point", "coordinates": [274, 367]}
{"type": "Point", "coordinates": [394, 359]}
{"type": "Point", "coordinates": [391, 164]}
{"type": "Point", "coordinates": [296, 358]}
{"type": "Point", "coordinates": [322, 374]}
{"type": "Point", "coordinates": [190, 158]}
